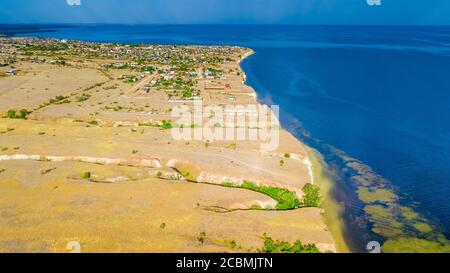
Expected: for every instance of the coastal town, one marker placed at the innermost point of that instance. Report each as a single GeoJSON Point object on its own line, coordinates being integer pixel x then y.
{"type": "Point", "coordinates": [87, 155]}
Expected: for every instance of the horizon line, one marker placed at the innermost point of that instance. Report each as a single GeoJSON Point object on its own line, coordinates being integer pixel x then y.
{"type": "Point", "coordinates": [208, 24]}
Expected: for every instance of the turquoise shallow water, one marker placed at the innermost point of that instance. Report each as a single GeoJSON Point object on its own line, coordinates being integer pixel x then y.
{"type": "Point", "coordinates": [379, 95]}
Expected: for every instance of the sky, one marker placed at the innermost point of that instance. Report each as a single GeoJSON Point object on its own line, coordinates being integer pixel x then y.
{"type": "Point", "coordinates": [359, 12]}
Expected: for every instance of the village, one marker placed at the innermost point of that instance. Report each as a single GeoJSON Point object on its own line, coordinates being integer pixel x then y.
{"type": "Point", "coordinates": [182, 73]}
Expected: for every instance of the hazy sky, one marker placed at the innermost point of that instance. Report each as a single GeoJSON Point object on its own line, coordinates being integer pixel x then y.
{"type": "Point", "coordinates": [226, 11]}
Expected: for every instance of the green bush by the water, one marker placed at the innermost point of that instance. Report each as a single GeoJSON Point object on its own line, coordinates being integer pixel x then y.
{"type": "Point", "coordinates": [311, 196]}
{"type": "Point", "coordinates": [286, 199]}
{"type": "Point", "coordinates": [275, 246]}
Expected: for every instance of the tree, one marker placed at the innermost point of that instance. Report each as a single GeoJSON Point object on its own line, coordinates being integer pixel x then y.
{"type": "Point", "coordinates": [311, 196]}
{"type": "Point", "coordinates": [23, 113]}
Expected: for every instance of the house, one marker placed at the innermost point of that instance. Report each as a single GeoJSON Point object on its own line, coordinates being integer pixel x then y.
{"type": "Point", "coordinates": [209, 74]}
{"type": "Point", "coordinates": [11, 72]}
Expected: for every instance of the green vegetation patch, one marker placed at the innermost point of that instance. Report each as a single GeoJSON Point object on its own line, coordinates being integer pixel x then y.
{"type": "Point", "coordinates": [378, 212]}
{"type": "Point", "coordinates": [164, 125]}
{"type": "Point", "coordinates": [86, 175]}
{"type": "Point", "coordinates": [384, 221]}
{"type": "Point", "coordinates": [286, 199]}
{"type": "Point", "coordinates": [56, 100]}
{"type": "Point", "coordinates": [275, 246]}
{"type": "Point", "coordinates": [229, 184]}
{"type": "Point", "coordinates": [389, 231]}
{"type": "Point", "coordinates": [423, 227]}
{"type": "Point", "coordinates": [409, 214]}
{"type": "Point", "coordinates": [13, 114]}
{"type": "Point", "coordinates": [83, 97]}
{"type": "Point", "coordinates": [201, 238]}
{"type": "Point", "coordinates": [149, 69]}
{"type": "Point", "coordinates": [363, 181]}
{"type": "Point", "coordinates": [380, 195]}
{"type": "Point", "coordinates": [415, 245]}
{"type": "Point", "coordinates": [311, 197]}
{"type": "Point", "coordinates": [93, 122]}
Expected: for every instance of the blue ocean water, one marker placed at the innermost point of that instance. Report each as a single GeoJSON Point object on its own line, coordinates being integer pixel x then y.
{"type": "Point", "coordinates": [379, 94]}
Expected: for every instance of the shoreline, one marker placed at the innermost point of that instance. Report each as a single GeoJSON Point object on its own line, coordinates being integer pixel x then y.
{"type": "Point", "coordinates": [332, 209]}
{"type": "Point", "coordinates": [319, 174]}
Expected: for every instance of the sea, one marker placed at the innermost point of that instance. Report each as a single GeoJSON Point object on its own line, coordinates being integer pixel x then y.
{"type": "Point", "coordinates": [373, 100]}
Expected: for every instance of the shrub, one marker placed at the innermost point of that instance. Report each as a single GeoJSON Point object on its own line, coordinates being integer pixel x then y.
{"type": "Point", "coordinates": [311, 196]}
{"type": "Point", "coordinates": [272, 246]}
{"type": "Point", "coordinates": [166, 124]}
{"type": "Point", "coordinates": [83, 97]}
{"type": "Point", "coordinates": [228, 184]}
{"type": "Point", "coordinates": [148, 69]}
{"type": "Point", "coordinates": [11, 114]}
{"type": "Point", "coordinates": [286, 199]}
{"type": "Point", "coordinates": [23, 114]}
{"type": "Point", "coordinates": [232, 244]}
{"type": "Point", "coordinates": [201, 237]}
{"type": "Point", "coordinates": [86, 175]}
{"type": "Point", "coordinates": [232, 146]}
